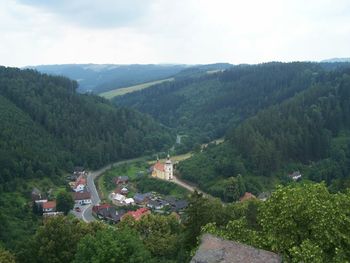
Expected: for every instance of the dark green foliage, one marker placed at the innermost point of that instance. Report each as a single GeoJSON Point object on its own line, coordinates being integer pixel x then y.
{"type": "Point", "coordinates": [310, 130]}
{"type": "Point", "coordinates": [110, 245]}
{"type": "Point", "coordinates": [303, 223]}
{"type": "Point", "coordinates": [206, 107]}
{"type": "Point", "coordinates": [53, 127]}
{"type": "Point", "coordinates": [46, 128]}
{"type": "Point", "coordinates": [6, 256]}
{"type": "Point", "coordinates": [161, 235]}
{"type": "Point", "coordinates": [56, 241]}
{"type": "Point", "coordinates": [17, 222]}
{"type": "Point", "coordinates": [200, 212]}
{"type": "Point", "coordinates": [146, 184]}
{"type": "Point", "coordinates": [26, 149]}
{"type": "Point", "coordinates": [64, 202]}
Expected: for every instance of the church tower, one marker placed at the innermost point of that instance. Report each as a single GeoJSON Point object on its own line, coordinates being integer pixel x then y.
{"type": "Point", "coordinates": [169, 170]}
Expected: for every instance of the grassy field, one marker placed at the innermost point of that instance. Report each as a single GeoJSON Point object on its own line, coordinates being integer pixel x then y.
{"type": "Point", "coordinates": [176, 158]}
{"type": "Point", "coordinates": [136, 183]}
{"type": "Point", "coordinates": [118, 92]}
{"type": "Point", "coordinates": [106, 181]}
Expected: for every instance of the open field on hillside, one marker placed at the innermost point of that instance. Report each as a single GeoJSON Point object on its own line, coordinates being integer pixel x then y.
{"type": "Point", "coordinates": [121, 91]}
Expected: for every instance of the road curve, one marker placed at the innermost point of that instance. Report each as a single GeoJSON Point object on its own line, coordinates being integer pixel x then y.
{"type": "Point", "coordinates": [95, 198]}
{"type": "Point", "coordinates": [187, 186]}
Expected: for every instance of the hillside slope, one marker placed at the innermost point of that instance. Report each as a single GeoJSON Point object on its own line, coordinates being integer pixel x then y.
{"type": "Point", "coordinates": [207, 106]}
{"type": "Point", "coordinates": [309, 132]}
{"type": "Point", "coordinates": [53, 123]}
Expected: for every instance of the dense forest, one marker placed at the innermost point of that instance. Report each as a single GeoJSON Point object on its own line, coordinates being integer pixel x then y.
{"type": "Point", "coordinates": [46, 125]}
{"type": "Point", "coordinates": [309, 132]}
{"type": "Point", "coordinates": [205, 107]}
{"type": "Point", "coordinates": [47, 128]}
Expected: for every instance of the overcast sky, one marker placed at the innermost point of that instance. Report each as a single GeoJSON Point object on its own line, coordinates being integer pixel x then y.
{"type": "Point", "coordinates": [34, 32]}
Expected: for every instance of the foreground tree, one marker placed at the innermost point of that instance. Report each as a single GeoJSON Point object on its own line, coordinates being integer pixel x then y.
{"type": "Point", "coordinates": [65, 202]}
{"type": "Point", "coordinates": [160, 234]}
{"type": "Point", "coordinates": [304, 223]}
{"type": "Point", "coordinates": [56, 241]}
{"type": "Point", "coordinates": [308, 221]}
{"type": "Point", "coordinates": [111, 246]}
{"type": "Point", "coordinates": [6, 256]}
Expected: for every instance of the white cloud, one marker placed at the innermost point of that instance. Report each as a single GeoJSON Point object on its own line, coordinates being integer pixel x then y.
{"type": "Point", "coordinates": [182, 31]}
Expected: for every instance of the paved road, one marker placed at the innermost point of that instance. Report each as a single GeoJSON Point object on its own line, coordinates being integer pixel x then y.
{"type": "Point", "coordinates": [86, 213]}
{"type": "Point", "coordinates": [187, 186]}
{"type": "Point", "coordinates": [95, 198]}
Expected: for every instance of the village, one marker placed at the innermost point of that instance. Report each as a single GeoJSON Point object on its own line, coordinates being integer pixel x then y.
{"type": "Point", "coordinates": [125, 200]}
{"type": "Point", "coordinates": [121, 201]}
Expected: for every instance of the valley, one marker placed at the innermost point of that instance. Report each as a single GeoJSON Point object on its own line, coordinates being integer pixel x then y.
{"type": "Point", "coordinates": [297, 123]}
{"type": "Point", "coordinates": [174, 131]}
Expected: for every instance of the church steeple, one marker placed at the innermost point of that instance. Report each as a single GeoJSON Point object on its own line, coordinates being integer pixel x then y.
{"type": "Point", "coordinates": [168, 167]}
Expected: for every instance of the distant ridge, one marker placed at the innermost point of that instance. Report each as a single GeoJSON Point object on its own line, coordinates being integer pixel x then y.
{"type": "Point", "coordinates": [98, 78]}
{"type": "Point", "coordinates": [333, 60]}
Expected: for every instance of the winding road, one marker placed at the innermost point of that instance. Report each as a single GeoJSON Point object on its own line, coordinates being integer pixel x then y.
{"type": "Point", "coordinates": [86, 213]}
{"type": "Point", "coordinates": [95, 198]}
{"type": "Point", "coordinates": [187, 186]}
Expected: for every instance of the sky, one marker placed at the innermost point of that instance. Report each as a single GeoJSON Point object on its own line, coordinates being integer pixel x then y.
{"type": "Point", "coordinates": [37, 32]}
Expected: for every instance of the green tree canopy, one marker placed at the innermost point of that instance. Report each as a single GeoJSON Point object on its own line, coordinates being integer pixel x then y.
{"type": "Point", "coordinates": [64, 202]}
{"type": "Point", "coordinates": [112, 246]}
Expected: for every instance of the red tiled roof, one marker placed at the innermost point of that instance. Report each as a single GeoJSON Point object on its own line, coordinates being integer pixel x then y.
{"type": "Point", "coordinates": [80, 180]}
{"type": "Point", "coordinates": [81, 196]}
{"type": "Point", "coordinates": [247, 196]}
{"type": "Point", "coordinates": [159, 166]}
{"type": "Point", "coordinates": [96, 208]}
{"type": "Point", "coordinates": [138, 213]}
{"type": "Point", "coordinates": [49, 205]}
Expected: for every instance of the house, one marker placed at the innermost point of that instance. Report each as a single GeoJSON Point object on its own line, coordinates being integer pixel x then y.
{"type": "Point", "coordinates": [214, 249]}
{"type": "Point", "coordinates": [129, 201]}
{"type": "Point", "coordinates": [264, 196]}
{"type": "Point", "coordinates": [52, 214]}
{"type": "Point", "coordinates": [142, 199]}
{"type": "Point", "coordinates": [36, 194]}
{"type": "Point", "coordinates": [118, 199]}
{"type": "Point", "coordinates": [180, 205]}
{"type": "Point", "coordinates": [107, 212]}
{"type": "Point", "coordinates": [295, 176]}
{"type": "Point", "coordinates": [137, 214]}
{"type": "Point", "coordinates": [176, 205]}
{"type": "Point", "coordinates": [82, 198]}
{"type": "Point", "coordinates": [163, 170]}
{"type": "Point", "coordinates": [49, 206]}
{"type": "Point", "coordinates": [157, 204]}
{"type": "Point", "coordinates": [121, 180]}
{"type": "Point", "coordinates": [79, 170]}
{"type": "Point", "coordinates": [247, 196]}
{"type": "Point", "coordinates": [79, 184]}
{"type": "Point", "coordinates": [124, 191]}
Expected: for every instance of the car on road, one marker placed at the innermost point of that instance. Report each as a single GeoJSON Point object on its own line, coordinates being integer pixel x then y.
{"type": "Point", "coordinates": [77, 209]}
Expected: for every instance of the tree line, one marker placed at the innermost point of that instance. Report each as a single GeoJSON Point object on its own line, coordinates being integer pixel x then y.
{"type": "Point", "coordinates": [302, 223]}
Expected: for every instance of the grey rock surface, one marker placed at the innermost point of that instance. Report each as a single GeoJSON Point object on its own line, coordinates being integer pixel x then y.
{"type": "Point", "coordinates": [218, 250]}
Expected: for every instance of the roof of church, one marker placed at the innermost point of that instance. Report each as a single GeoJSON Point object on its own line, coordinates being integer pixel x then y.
{"type": "Point", "coordinates": [159, 166]}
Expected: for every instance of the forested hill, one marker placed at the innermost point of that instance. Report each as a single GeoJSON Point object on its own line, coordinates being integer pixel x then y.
{"type": "Point", "coordinates": [47, 126]}
{"type": "Point", "coordinates": [98, 78]}
{"type": "Point", "coordinates": [309, 132]}
{"type": "Point", "coordinates": [208, 106]}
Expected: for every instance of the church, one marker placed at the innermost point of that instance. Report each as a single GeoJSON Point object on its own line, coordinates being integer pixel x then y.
{"type": "Point", "coordinates": [163, 171]}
